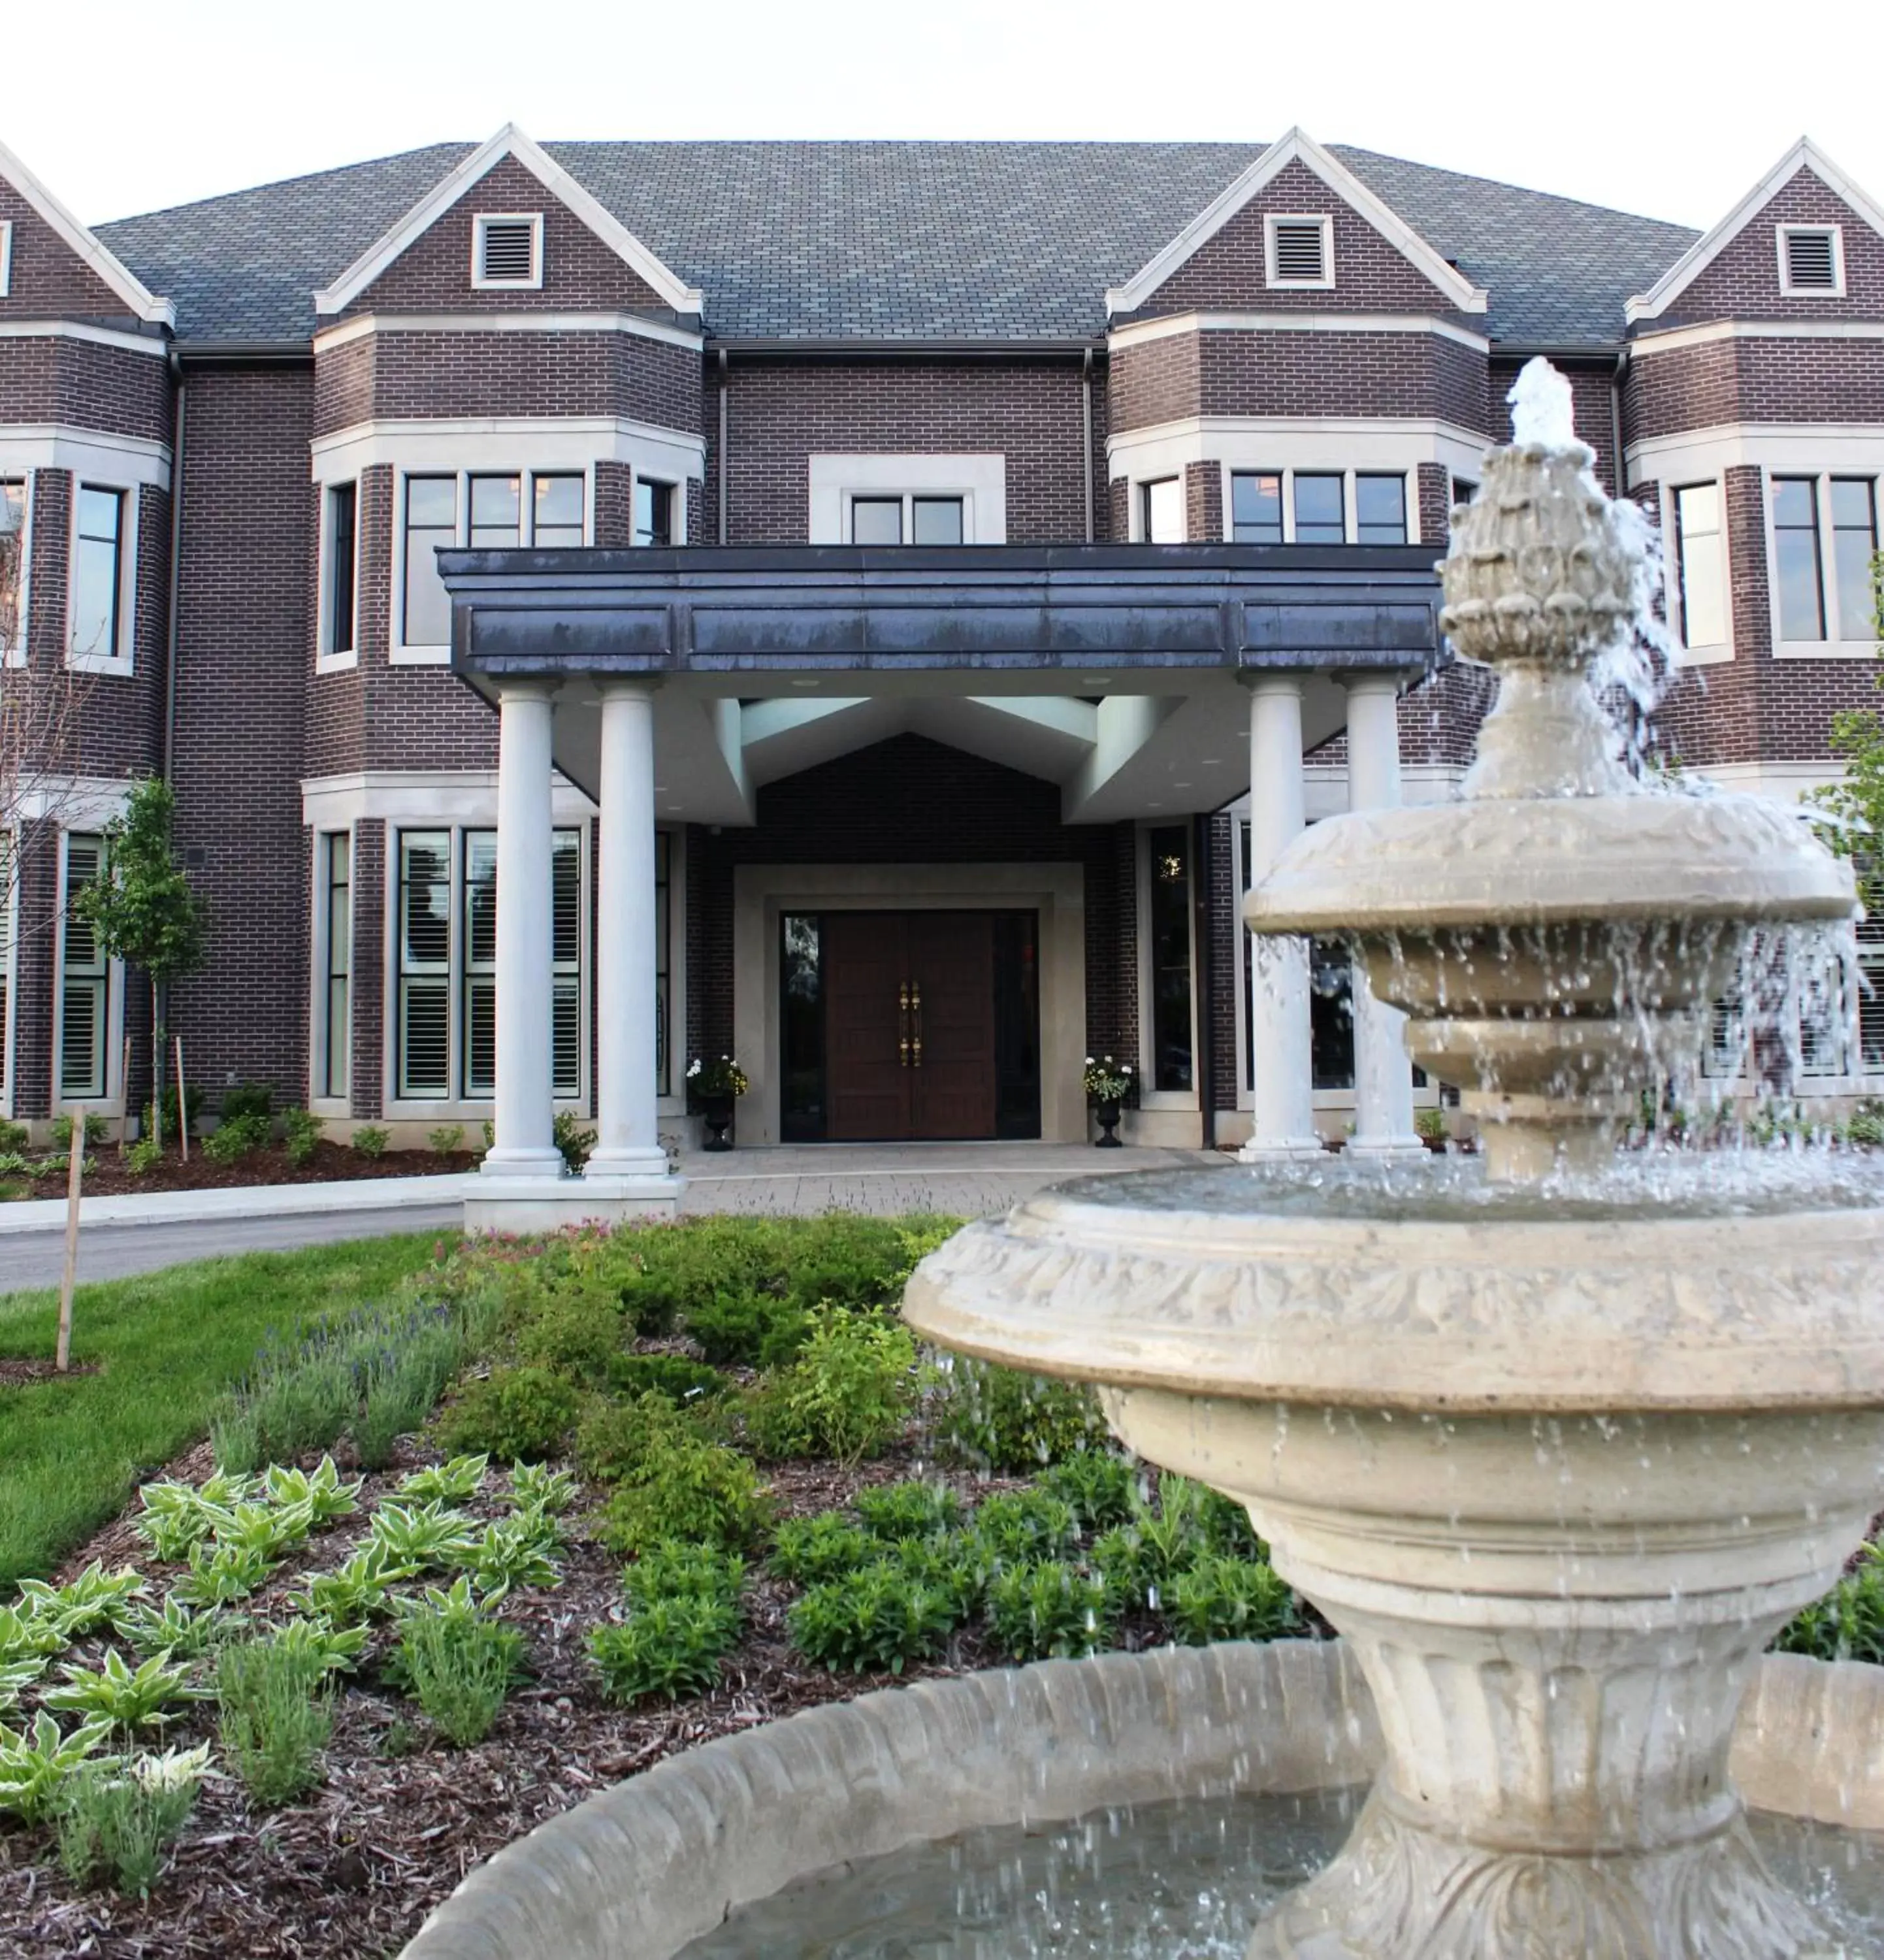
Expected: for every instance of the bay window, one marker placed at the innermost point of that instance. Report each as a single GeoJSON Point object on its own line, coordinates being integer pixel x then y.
{"type": "Point", "coordinates": [482, 511]}
{"type": "Point", "coordinates": [1825, 539]}
{"type": "Point", "coordinates": [1319, 507]}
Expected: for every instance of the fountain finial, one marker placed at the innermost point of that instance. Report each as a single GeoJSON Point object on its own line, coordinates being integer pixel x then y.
{"type": "Point", "coordinates": [1543, 407]}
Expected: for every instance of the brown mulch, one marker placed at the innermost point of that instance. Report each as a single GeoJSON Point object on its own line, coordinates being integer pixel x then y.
{"type": "Point", "coordinates": [352, 1871]}
{"type": "Point", "coordinates": [15, 1373]}
{"type": "Point", "coordinates": [108, 1175]}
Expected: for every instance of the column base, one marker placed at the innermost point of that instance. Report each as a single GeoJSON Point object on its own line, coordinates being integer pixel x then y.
{"type": "Point", "coordinates": [644, 1160]}
{"type": "Point", "coordinates": [1281, 1150]}
{"type": "Point", "coordinates": [542, 1204]}
{"type": "Point", "coordinates": [1388, 1150]}
{"type": "Point", "coordinates": [543, 1161]}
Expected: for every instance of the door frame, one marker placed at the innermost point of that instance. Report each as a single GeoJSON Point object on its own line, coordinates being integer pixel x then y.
{"type": "Point", "coordinates": [762, 893]}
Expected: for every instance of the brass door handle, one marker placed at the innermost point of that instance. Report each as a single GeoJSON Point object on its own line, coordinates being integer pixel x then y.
{"type": "Point", "coordinates": [903, 1025]}
{"type": "Point", "coordinates": [915, 1012]}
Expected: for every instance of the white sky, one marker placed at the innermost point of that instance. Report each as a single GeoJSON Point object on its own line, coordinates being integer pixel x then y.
{"type": "Point", "coordinates": [1664, 106]}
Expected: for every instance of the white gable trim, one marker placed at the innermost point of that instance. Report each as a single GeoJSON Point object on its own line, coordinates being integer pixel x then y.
{"type": "Point", "coordinates": [1296, 146]}
{"type": "Point", "coordinates": [1805, 154]}
{"type": "Point", "coordinates": [137, 297]}
{"type": "Point", "coordinates": [509, 142]}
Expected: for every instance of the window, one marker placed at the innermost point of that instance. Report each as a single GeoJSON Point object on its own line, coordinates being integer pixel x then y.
{"type": "Point", "coordinates": [1853, 545]}
{"type": "Point", "coordinates": [343, 580]}
{"type": "Point", "coordinates": [97, 604]}
{"type": "Point", "coordinates": [336, 875]}
{"type": "Point", "coordinates": [1256, 507]}
{"type": "Point", "coordinates": [1319, 518]}
{"type": "Point", "coordinates": [503, 511]}
{"type": "Point", "coordinates": [1812, 261]}
{"type": "Point", "coordinates": [507, 249]}
{"type": "Point", "coordinates": [663, 962]}
{"type": "Point", "coordinates": [6, 257]}
{"type": "Point", "coordinates": [1331, 1014]}
{"type": "Point", "coordinates": [446, 1000]}
{"type": "Point", "coordinates": [1168, 848]}
{"type": "Point", "coordinates": [1700, 566]}
{"type": "Point", "coordinates": [12, 569]}
{"type": "Point", "coordinates": [922, 520]}
{"type": "Point", "coordinates": [1464, 490]}
{"type": "Point", "coordinates": [8, 869]}
{"type": "Point", "coordinates": [1300, 251]}
{"type": "Point", "coordinates": [1380, 510]}
{"type": "Point", "coordinates": [84, 981]}
{"type": "Point", "coordinates": [1802, 613]}
{"type": "Point", "coordinates": [653, 512]}
{"type": "Point", "coordinates": [1161, 512]}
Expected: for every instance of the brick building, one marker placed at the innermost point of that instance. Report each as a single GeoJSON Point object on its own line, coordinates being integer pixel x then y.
{"type": "Point", "coordinates": [799, 437]}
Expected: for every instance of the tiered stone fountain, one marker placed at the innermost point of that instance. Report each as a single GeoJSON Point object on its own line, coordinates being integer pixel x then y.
{"type": "Point", "coordinates": [1556, 1449]}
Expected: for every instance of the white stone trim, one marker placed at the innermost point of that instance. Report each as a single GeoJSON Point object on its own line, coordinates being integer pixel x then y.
{"type": "Point", "coordinates": [122, 660]}
{"type": "Point", "coordinates": [74, 802]}
{"type": "Point", "coordinates": [1790, 449]}
{"type": "Point", "coordinates": [361, 326]}
{"type": "Point", "coordinates": [1293, 442]}
{"type": "Point", "coordinates": [77, 329]}
{"type": "Point", "coordinates": [446, 443]}
{"type": "Point", "coordinates": [137, 297]}
{"type": "Point", "coordinates": [1805, 154]}
{"type": "Point", "coordinates": [1790, 782]}
{"type": "Point", "coordinates": [119, 460]}
{"type": "Point", "coordinates": [414, 797]}
{"type": "Point", "coordinates": [980, 481]}
{"type": "Point", "coordinates": [760, 893]}
{"type": "Point", "coordinates": [509, 142]}
{"type": "Point", "coordinates": [1136, 333]}
{"type": "Point", "coordinates": [480, 222]}
{"type": "Point", "coordinates": [1296, 146]}
{"type": "Point", "coordinates": [1666, 340]}
{"type": "Point", "coordinates": [1835, 233]}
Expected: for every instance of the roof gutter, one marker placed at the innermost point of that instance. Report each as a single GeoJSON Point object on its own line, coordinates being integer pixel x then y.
{"type": "Point", "coordinates": [904, 347]}
{"type": "Point", "coordinates": [243, 353]}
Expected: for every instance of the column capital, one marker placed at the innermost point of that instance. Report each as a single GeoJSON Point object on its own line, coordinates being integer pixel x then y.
{"type": "Point", "coordinates": [1372, 680]}
{"type": "Point", "coordinates": [615, 686]}
{"type": "Point", "coordinates": [526, 687]}
{"type": "Point", "coordinates": [1270, 680]}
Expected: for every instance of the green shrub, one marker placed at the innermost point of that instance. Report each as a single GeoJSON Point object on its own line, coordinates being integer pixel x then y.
{"type": "Point", "coordinates": [241, 1100]}
{"type": "Point", "coordinates": [115, 1828]}
{"type": "Point", "coordinates": [848, 1395]}
{"type": "Point", "coordinates": [145, 1156]}
{"type": "Point", "coordinates": [1223, 1598]}
{"type": "Point", "coordinates": [574, 1142]}
{"type": "Point", "coordinates": [915, 1509]}
{"type": "Point", "coordinates": [13, 1164]}
{"type": "Point", "coordinates": [673, 1571]}
{"type": "Point", "coordinates": [687, 1489]}
{"type": "Point", "coordinates": [682, 1382]}
{"type": "Point", "coordinates": [576, 1333]}
{"type": "Point", "coordinates": [97, 1128]}
{"type": "Point", "coordinates": [1099, 1485]}
{"type": "Point", "coordinates": [1018, 1527]}
{"type": "Point", "coordinates": [616, 1439]}
{"type": "Point", "coordinates": [513, 1415]}
{"type": "Point", "coordinates": [275, 1717]}
{"type": "Point", "coordinates": [999, 1420]}
{"type": "Point", "coordinates": [461, 1667]}
{"type": "Point", "coordinates": [957, 1565]}
{"type": "Point", "coordinates": [672, 1646]}
{"type": "Point", "coordinates": [1866, 1124]}
{"type": "Point", "coordinates": [1430, 1124]}
{"type": "Point", "coordinates": [301, 1132]}
{"type": "Point", "coordinates": [1048, 1609]}
{"type": "Point", "coordinates": [370, 1141]}
{"type": "Point", "coordinates": [878, 1621]}
{"type": "Point", "coordinates": [237, 1138]}
{"type": "Point", "coordinates": [747, 1330]}
{"type": "Point", "coordinates": [809, 1550]}
{"type": "Point", "coordinates": [1848, 1623]}
{"type": "Point", "coordinates": [448, 1140]}
{"type": "Point", "coordinates": [14, 1138]}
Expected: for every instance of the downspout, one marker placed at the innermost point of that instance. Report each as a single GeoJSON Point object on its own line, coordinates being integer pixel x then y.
{"type": "Point", "coordinates": [1616, 422]}
{"type": "Point", "coordinates": [723, 455]}
{"type": "Point", "coordinates": [1086, 405]}
{"type": "Point", "coordinates": [1206, 986]}
{"type": "Point", "coordinates": [176, 559]}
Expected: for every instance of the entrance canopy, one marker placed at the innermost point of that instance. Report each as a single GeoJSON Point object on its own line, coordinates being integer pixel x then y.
{"type": "Point", "coordinates": [1111, 669]}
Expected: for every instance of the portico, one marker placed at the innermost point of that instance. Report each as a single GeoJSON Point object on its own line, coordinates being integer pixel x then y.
{"type": "Point", "coordinates": [677, 686]}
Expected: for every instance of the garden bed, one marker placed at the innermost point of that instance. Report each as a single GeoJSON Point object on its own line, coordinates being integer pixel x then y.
{"type": "Point", "coordinates": [108, 1175]}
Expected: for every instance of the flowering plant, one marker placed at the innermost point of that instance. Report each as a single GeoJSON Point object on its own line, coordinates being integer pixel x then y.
{"type": "Point", "coordinates": [723, 1078]}
{"type": "Point", "coordinates": [1106, 1080]}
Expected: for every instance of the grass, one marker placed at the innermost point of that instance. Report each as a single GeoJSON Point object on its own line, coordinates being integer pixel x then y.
{"type": "Point", "coordinates": [167, 1343]}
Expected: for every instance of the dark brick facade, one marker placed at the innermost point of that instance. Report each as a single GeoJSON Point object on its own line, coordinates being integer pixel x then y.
{"type": "Point", "coordinates": [49, 279]}
{"type": "Point", "coordinates": [82, 384]}
{"type": "Point", "coordinates": [1743, 282]}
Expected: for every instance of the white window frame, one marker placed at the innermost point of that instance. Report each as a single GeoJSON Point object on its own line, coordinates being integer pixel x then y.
{"type": "Point", "coordinates": [480, 224]}
{"type": "Point", "coordinates": [1136, 527]}
{"type": "Point", "coordinates": [1787, 290]}
{"type": "Point", "coordinates": [6, 258]}
{"type": "Point", "coordinates": [319, 945]}
{"type": "Point", "coordinates": [909, 499]}
{"type": "Point", "coordinates": [1150, 1098]}
{"type": "Point", "coordinates": [398, 1108]}
{"type": "Point", "coordinates": [1714, 653]}
{"type": "Point", "coordinates": [326, 660]}
{"type": "Point", "coordinates": [111, 1103]}
{"type": "Point", "coordinates": [1271, 277]}
{"type": "Point", "coordinates": [833, 481]}
{"type": "Point", "coordinates": [17, 656]}
{"type": "Point", "coordinates": [420, 655]}
{"type": "Point", "coordinates": [1350, 518]}
{"type": "Point", "coordinates": [122, 658]}
{"type": "Point", "coordinates": [1834, 646]}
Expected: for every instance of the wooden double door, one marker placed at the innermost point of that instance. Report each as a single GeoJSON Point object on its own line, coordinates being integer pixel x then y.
{"type": "Point", "coordinates": [910, 1026]}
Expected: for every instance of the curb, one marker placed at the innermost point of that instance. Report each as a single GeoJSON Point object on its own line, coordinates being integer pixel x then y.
{"type": "Point", "coordinates": [246, 1201]}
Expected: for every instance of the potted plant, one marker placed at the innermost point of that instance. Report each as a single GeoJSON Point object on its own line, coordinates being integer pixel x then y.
{"type": "Point", "coordinates": [714, 1086]}
{"type": "Point", "coordinates": [1429, 1126]}
{"type": "Point", "coordinates": [1108, 1083]}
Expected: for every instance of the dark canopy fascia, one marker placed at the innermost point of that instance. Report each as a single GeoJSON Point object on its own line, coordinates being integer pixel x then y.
{"type": "Point", "coordinates": [1006, 610]}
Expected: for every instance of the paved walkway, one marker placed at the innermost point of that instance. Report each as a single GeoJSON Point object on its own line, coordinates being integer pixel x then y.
{"type": "Point", "coordinates": [966, 1180]}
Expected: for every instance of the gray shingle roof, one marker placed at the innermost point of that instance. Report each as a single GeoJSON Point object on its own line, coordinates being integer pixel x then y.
{"type": "Point", "coordinates": [919, 241]}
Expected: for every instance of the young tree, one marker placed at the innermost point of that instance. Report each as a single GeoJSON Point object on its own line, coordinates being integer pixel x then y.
{"type": "Point", "coordinates": [143, 909]}
{"type": "Point", "coordinates": [1853, 808]}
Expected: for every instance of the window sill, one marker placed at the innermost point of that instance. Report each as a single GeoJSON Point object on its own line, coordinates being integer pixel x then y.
{"type": "Point", "coordinates": [327, 663]}
{"type": "Point", "coordinates": [1701, 656]}
{"type": "Point", "coordinates": [419, 657]}
{"type": "Point", "coordinates": [1825, 650]}
{"type": "Point", "coordinates": [1168, 1098]}
{"type": "Point", "coordinates": [97, 663]}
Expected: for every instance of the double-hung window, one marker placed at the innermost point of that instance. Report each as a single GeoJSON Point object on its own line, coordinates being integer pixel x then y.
{"type": "Point", "coordinates": [485, 511]}
{"type": "Point", "coordinates": [447, 944]}
{"type": "Point", "coordinates": [1700, 566]}
{"type": "Point", "coordinates": [98, 618]}
{"type": "Point", "coordinates": [339, 586]}
{"type": "Point", "coordinates": [1825, 538]}
{"type": "Point", "coordinates": [334, 874]}
{"type": "Point", "coordinates": [84, 980]}
{"type": "Point", "coordinates": [1318, 506]}
{"type": "Point", "coordinates": [910, 520]}
{"type": "Point", "coordinates": [12, 571]}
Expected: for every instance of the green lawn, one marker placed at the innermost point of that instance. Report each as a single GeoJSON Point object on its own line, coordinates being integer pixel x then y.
{"type": "Point", "coordinates": [72, 1451]}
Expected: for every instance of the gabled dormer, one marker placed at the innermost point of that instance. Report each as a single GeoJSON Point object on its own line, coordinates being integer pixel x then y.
{"type": "Point", "coordinates": [1298, 230]}
{"type": "Point", "coordinates": [508, 228]}
{"type": "Point", "coordinates": [1804, 243]}
{"type": "Point", "coordinates": [52, 268]}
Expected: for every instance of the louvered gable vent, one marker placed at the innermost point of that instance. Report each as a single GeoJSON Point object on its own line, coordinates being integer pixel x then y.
{"type": "Point", "coordinates": [1299, 252]}
{"type": "Point", "coordinates": [507, 251]}
{"type": "Point", "coordinates": [1812, 261]}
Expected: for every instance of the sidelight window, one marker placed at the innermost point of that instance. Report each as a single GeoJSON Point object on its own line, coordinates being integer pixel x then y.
{"type": "Point", "coordinates": [84, 979]}
{"type": "Point", "coordinates": [335, 873]}
{"type": "Point", "coordinates": [1170, 1033]}
{"type": "Point", "coordinates": [12, 571]}
{"type": "Point", "coordinates": [99, 615]}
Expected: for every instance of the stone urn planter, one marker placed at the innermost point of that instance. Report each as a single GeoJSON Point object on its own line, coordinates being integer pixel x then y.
{"type": "Point", "coordinates": [714, 1088]}
{"type": "Point", "coordinates": [716, 1112]}
{"type": "Point", "coordinates": [1107, 1115]}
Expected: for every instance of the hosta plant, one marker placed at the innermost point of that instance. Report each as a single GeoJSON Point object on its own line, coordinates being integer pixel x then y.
{"type": "Point", "coordinates": [34, 1763]}
{"type": "Point", "coordinates": [173, 1519]}
{"type": "Point", "coordinates": [534, 1487]}
{"type": "Point", "coordinates": [422, 1534]}
{"type": "Point", "coordinates": [174, 1629]}
{"type": "Point", "coordinates": [15, 1675]}
{"type": "Point", "coordinates": [325, 1649]}
{"type": "Point", "coordinates": [132, 1697]}
{"type": "Point", "coordinates": [269, 1529]}
{"type": "Point", "coordinates": [321, 1492]}
{"type": "Point", "coordinates": [220, 1573]}
{"type": "Point", "coordinates": [359, 1590]}
{"type": "Point", "coordinates": [449, 1483]}
{"type": "Point", "coordinates": [95, 1598]}
{"type": "Point", "coordinates": [27, 1636]}
{"type": "Point", "coordinates": [510, 1553]}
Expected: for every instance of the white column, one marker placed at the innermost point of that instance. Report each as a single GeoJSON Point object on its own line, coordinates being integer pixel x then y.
{"type": "Point", "coordinates": [1383, 1076]}
{"type": "Point", "coordinates": [1284, 1117]}
{"type": "Point", "coordinates": [523, 1145]}
{"type": "Point", "coordinates": [627, 1144]}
